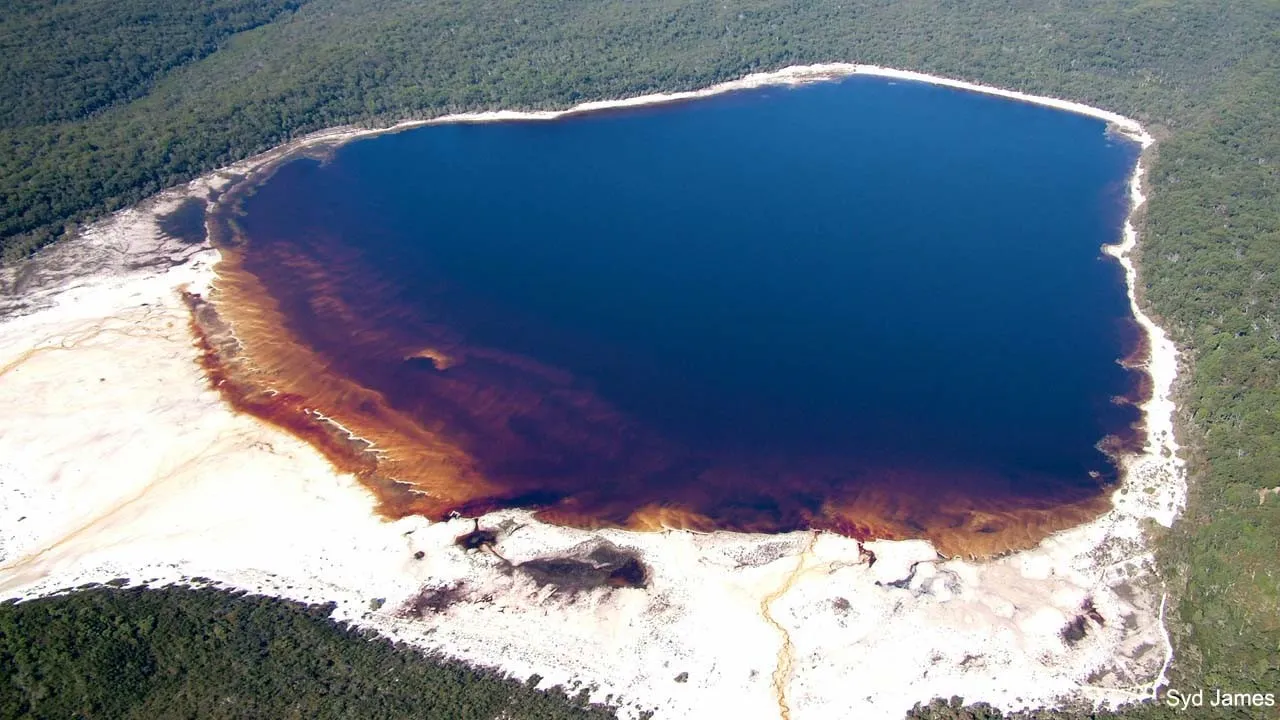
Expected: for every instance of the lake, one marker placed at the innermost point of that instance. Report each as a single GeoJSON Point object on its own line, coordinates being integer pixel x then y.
{"type": "Point", "coordinates": [869, 306]}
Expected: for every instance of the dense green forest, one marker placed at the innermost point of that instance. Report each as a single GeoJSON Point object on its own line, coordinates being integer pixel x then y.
{"type": "Point", "coordinates": [53, 70]}
{"type": "Point", "coordinates": [187, 652]}
{"type": "Point", "coordinates": [106, 103]}
{"type": "Point", "coordinates": [955, 709]}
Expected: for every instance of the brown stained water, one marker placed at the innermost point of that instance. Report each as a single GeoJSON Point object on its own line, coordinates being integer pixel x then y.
{"type": "Point", "coordinates": [444, 396]}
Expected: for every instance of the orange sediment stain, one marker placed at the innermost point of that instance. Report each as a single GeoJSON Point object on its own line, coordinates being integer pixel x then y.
{"type": "Point", "coordinates": [785, 667]}
{"type": "Point", "coordinates": [285, 385]}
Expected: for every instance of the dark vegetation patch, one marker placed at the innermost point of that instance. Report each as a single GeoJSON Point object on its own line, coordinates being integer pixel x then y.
{"type": "Point", "coordinates": [477, 539]}
{"type": "Point", "coordinates": [866, 556]}
{"type": "Point", "coordinates": [1078, 627]}
{"type": "Point", "coordinates": [902, 583]}
{"type": "Point", "coordinates": [1091, 612]}
{"type": "Point", "coordinates": [956, 709]}
{"type": "Point", "coordinates": [600, 564]}
{"type": "Point", "coordinates": [594, 564]}
{"type": "Point", "coordinates": [204, 653]}
{"type": "Point", "coordinates": [1076, 630]}
{"type": "Point", "coordinates": [432, 600]}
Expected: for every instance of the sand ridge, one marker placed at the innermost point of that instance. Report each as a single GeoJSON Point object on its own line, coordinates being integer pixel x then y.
{"type": "Point", "coordinates": [155, 478]}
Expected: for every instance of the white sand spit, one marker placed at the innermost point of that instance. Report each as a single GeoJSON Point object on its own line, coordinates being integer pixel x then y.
{"type": "Point", "coordinates": [117, 460]}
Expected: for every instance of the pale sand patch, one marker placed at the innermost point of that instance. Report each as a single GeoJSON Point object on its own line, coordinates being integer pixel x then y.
{"type": "Point", "coordinates": [119, 461]}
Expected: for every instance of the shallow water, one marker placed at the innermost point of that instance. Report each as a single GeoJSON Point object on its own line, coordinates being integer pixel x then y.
{"type": "Point", "coordinates": [874, 306]}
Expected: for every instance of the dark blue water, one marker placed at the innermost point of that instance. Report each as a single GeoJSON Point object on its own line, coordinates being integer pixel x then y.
{"type": "Point", "coordinates": [797, 288]}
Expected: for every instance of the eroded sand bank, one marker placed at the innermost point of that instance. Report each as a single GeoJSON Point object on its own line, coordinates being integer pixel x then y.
{"type": "Point", "coordinates": [119, 460]}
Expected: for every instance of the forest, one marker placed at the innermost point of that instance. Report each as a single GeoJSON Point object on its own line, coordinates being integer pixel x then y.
{"type": "Point", "coordinates": [199, 652]}
{"type": "Point", "coordinates": [105, 103]}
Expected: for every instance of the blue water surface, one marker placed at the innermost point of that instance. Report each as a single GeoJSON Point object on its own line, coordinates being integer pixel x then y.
{"type": "Point", "coordinates": [886, 272]}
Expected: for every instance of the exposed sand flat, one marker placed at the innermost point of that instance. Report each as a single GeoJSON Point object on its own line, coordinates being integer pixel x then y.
{"type": "Point", "coordinates": [118, 460]}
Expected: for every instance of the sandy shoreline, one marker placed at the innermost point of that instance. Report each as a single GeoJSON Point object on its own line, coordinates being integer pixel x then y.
{"type": "Point", "coordinates": [162, 485]}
